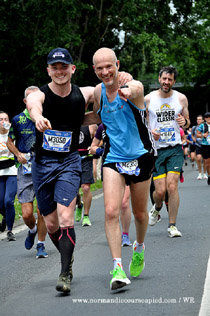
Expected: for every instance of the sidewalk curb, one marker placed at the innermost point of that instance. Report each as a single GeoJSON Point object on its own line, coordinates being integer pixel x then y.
{"type": "Point", "coordinates": [20, 226]}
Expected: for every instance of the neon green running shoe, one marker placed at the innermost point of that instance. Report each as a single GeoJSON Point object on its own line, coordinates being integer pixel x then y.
{"type": "Point", "coordinates": [137, 263]}
{"type": "Point", "coordinates": [86, 221]}
{"type": "Point", "coordinates": [78, 213]}
{"type": "Point", "coordinates": [119, 279]}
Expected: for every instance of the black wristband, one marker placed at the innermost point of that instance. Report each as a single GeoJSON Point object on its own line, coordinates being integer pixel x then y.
{"type": "Point", "coordinates": [186, 122]}
{"type": "Point", "coordinates": [124, 86]}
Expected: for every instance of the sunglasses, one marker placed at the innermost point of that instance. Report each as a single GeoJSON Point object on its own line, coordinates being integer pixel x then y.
{"type": "Point", "coordinates": [207, 116]}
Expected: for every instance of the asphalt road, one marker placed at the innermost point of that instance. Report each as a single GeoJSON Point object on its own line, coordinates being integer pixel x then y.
{"type": "Point", "coordinates": [171, 284]}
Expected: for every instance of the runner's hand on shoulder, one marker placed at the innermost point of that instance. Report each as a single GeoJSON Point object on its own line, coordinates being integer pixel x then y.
{"type": "Point", "coordinates": [124, 77]}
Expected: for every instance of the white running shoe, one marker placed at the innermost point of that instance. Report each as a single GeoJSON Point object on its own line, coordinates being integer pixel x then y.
{"type": "Point", "coordinates": [153, 216]}
{"type": "Point", "coordinates": [205, 176]}
{"type": "Point", "coordinates": [199, 177]}
{"type": "Point", "coordinates": [174, 232]}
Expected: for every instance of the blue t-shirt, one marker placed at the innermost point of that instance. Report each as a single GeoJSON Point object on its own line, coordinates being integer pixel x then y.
{"type": "Point", "coordinates": [189, 137]}
{"type": "Point", "coordinates": [120, 119]}
{"type": "Point", "coordinates": [205, 140]}
{"type": "Point", "coordinates": [23, 131]}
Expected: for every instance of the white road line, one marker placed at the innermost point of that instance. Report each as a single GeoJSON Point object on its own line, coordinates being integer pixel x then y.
{"type": "Point", "coordinates": [98, 196]}
{"type": "Point", "coordinates": [15, 230]}
{"type": "Point", "coordinates": [205, 303]}
{"type": "Point", "coordinates": [22, 227]}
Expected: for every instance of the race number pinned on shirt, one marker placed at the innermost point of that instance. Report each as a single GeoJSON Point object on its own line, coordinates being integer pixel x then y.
{"type": "Point", "coordinates": [57, 140]}
{"type": "Point", "coordinates": [167, 135]}
{"type": "Point", "coordinates": [130, 167]}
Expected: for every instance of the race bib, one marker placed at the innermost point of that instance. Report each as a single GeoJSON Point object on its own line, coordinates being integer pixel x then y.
{"type": "Point", "coordinates": [57, 141]}
{"type": "Point", "coordinates": [27, 168]}
{"type": "Point", "coordinates": [167, 135]}
{"type": "Point", "coordinates": [130, 167]}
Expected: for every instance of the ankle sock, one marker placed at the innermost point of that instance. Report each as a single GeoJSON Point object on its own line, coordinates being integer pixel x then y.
{"type": "Point", "coordinates": [158, 208]}
{"type": "Point", "coordinates": [33, 230]}
{"type": "Point", "coordinates": [138, 247]}
{"type": "Point", "coordinates": [171, 224]}
{"type": "Point", "coordinates": [117, 262]}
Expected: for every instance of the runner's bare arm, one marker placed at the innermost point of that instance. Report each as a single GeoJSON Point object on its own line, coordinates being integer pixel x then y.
{"type": "Point", "coordinates": [34, 103]}
{"type": "Point", "coordinates": [20, 156]}
{"type": "Point", "coordinates": [88, 94]}
{"type": "Point", "coordinates": [183, 119]}
{"type": "Point", "coordinates": [134, 91]}
{"type": "Point", "coordinates": [92, 117]}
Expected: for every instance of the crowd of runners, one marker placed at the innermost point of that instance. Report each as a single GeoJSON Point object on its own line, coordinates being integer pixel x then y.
{"type": "Point", "coordinates": [50, 152]}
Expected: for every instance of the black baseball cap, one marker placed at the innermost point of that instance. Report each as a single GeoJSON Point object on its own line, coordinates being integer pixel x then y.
{"type": "Point", "coordinates": [207, 114]}
{"type": "Point", "coordinates": [59, 55]}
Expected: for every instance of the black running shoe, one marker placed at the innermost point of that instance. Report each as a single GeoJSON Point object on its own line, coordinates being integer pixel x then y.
{"type": "Point", "coordinates": [3, 225]}
{"type": "Point", "coordinates": [10, 236]}
{"type": "Point", "coordinates": [63, 283]}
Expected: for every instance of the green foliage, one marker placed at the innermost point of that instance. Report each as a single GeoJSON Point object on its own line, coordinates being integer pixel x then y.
{"type": "Point", "coordinates": [18, 212]}
{"type": "Point", "coordinates": [146, 34]}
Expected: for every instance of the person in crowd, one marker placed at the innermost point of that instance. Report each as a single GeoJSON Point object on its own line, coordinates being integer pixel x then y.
{"type": "Point", "coordinates": [199, 159]}
{"type": "Point", "coordinates": [20, 142]}
{"type": "Point", "coordinates": [203, 132]}
{"type": "Point", "coordinates": [191, 146]}
{"type": "Point", "coordinates": [8, 179]}
{"type": "Point", "coordinates": [128, 159]}
{"type": "Point", "coordinates": [58, 110]}
{"type": "Point", "coordinates": [97, 146]}
{"type": "Point", "coordinates": [86, 135]}
{"type": "Point", "coordinates": [167, 112]}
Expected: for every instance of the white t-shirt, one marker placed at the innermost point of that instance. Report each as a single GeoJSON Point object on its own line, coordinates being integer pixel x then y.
{"type": "Point", "coordinates": [162, 115]}
{"type": "Point", "coordinates": [4, 155]}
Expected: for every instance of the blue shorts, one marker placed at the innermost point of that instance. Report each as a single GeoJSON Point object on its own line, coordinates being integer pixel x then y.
{"type": "Point", "coordinates": [56, 181]}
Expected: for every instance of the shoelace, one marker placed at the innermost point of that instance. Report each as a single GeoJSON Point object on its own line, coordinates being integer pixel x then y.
{"type": "Point", "coordinates": [117, 271]}
{"type": "Point", "coordinates": [173, 227]}
{"type": "Point", "coordinates": [136, 258]}
{"type": "Point", "coordinates": [155, 213]}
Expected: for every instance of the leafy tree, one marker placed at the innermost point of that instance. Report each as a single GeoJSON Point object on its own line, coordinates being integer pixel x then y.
{"type": "Point", "coordinates": [146, 34]}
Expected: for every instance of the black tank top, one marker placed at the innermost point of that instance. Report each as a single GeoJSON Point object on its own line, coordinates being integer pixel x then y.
{"type": "Point", "coordinates": [64, 114]}
{"type": "Point", "coordinates": [84, 140]}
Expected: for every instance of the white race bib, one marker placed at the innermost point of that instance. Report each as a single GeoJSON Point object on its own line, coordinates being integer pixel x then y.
{"type": "Point", "coordinates": [27, 168]}
{"type": "Point", "coordinates": [167, 135]}
{"type": "Point", "coordinates": [130, 167]}
{"type": "Point", "coordinates": [57, 141]}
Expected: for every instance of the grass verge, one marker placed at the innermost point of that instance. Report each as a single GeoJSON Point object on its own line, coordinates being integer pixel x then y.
{"type": "Point", "coordinates": [18, 212]}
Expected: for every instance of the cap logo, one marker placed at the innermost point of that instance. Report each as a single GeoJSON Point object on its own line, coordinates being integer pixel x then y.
{"type": "Point", "coordinates": [58, 54]}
